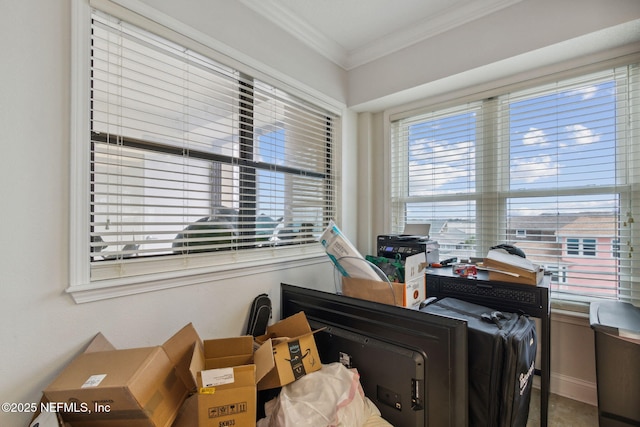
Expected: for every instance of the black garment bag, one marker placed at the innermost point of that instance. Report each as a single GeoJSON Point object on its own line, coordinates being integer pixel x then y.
{"type": "Point", "coordinates": [502, 353]}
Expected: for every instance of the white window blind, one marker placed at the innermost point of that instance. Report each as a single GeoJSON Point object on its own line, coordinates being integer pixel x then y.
{"type": "Point", "coordinates": [194, 163]}
{"type": "Point", "coordinates": [434, 171]}
{"type": "Point", "coordinates": [552, 169]}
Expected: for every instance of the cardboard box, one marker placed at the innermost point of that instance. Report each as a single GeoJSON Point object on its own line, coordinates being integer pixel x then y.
{"type": "Point", "coordinates": [408, 294]}
{"type": "Point", "coordinates": [510, 268]}
{"type": "Point", "coordinates": [523, 278]}
{"type": "Point", "coordinates": [375, 290]}
{"type": "Point", "coordinates": [103, 386]}
{"type": "Point", "coordinates": [227, 385]}
{"type": "Point", "coordinates": [46, 419]}
{"type": "Point", "coordinates": [222, 375]}
{"type": "Point", "coordinates": [228, 397]}
{"type": "Point", "coordinates": [188, 414]}
{"type": "Point", "coordinates": [287, 352]}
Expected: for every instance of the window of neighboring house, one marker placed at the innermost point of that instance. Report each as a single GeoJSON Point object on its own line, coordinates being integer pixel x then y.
{"type": "Point", "coordinates": [573, 246]}
{"type": "Point", "coordinates": [195, 166]}
{"type": "Point", "coordinates": [558, 273]}
{"type": "Point", "coordinates": [615, 248]}
{"type": "Point", "coordinates": [581, 247]}
{"type": "Point", "coordinates": [589, 247]}
{"type": "Point", "coordinates": [554, 159]}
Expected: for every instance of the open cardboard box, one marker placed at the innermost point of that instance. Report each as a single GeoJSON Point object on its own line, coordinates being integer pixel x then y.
{"type": "Point", "coordinates": [408, 294]}
{"type": "Point", "coordinates": [148, 387]}
{"type": "Point", "coordinates": [222, 375]}
{"type": "Point", "coordinates": [226, 373]}
{"type": "Point", "coordinates": [103, 386]}
{"type": "Point", "coordinates": [287, 352]}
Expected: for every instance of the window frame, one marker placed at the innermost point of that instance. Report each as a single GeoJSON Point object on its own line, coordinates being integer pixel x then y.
{"type": "Point", "coordinates": [485, 228]}
{"type": "Point", "coordinates": [84, 288]}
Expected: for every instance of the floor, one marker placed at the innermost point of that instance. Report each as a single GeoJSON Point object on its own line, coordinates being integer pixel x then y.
{"type": "Point", "coordinates": [563, 412]}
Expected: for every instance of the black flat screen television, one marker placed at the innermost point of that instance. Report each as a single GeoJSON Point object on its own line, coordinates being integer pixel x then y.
{"type": "Point", "coordinates": [412, 365]}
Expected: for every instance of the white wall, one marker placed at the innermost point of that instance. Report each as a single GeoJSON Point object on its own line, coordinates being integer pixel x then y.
{"type": "Point", "coordinates": [529, 34]}
{"type": "Point", "coordinates": [41, 327]}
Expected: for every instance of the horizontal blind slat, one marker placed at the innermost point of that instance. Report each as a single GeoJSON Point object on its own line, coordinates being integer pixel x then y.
{"type": "Point", "coordinates": [551, 169]}
{"type": "Point", "coordinates": [190, 156]}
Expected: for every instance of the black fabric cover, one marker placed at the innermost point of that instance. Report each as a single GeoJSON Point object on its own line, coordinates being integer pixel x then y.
{"type": "Point", "coordinates": [259, 315]}
{"type": "Point", "coordinates": [502, 351]}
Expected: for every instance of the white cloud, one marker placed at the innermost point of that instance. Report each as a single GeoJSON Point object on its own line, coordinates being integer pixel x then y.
{"type": "Point", "coordinates": [534, 136]}
{"type": "Point", "coordinates": [582, 134]}
{"type": "Point", "coordinates": [534, 168]}
{"type": "Point", "coordinates": [426, 178]}
{"type": "Point", "coordinates": [453, 152]}
{"type": "Point", "coordinates": [450, 163]}
{"type": "Point", "coordinates": [586, 92]}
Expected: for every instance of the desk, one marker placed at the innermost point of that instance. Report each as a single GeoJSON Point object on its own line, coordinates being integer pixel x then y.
{"type": "Point", "coordinates": [531, 300]}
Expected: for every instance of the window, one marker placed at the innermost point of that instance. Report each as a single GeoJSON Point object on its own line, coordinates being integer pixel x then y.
{"type": "Point", "coordinates": [615, 248]}
{"type": "Point", "coordinates": [193, 165]}
{"type": "Point", "coordinates": [434, 175]}
{"type": "Point", "coordinates": [581, 247]}
{"type": "Point", "coordinates": [558, 273]}
{"type": "Point", "coordinates": [552, 169]}
{"type": "Point", "coordinates": [573, 246]}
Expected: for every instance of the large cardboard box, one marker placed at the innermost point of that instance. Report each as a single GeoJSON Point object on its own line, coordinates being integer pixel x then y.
{"type": "Point", "coordinates": [223, 377]}
{"type": "Point", "coordinates": [408, 294]}
{"type": "Point", "coordinates": [188, 414]}
{"type": "Point", "coordinates": [287, 352]}
{"type": "Point", "coordinates": [103, 386]}
{"type": "Point", "coordinates": [232, 404]}
{"type": "Point", "coordinates": [227, 383]}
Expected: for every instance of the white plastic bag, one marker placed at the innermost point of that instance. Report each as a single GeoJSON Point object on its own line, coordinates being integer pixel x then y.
{"type": "Point", "coordinates": [331, 397]}
{"type": "Point", "coordinates": [345, 256]}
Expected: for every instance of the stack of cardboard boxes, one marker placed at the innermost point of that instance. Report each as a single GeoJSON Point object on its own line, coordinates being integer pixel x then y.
{"type": "Point", "coordinates": [505, 267]}
{"type": "Point", "coordinates": [185, 382]}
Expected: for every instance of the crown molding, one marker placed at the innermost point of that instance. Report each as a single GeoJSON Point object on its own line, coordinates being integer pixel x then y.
{"type": "Point", "coordinates": [452, 17]}
{"type": "Point", "coordinates": [458, 14]}
{"type": "Point", "coordinates": [300, 29]}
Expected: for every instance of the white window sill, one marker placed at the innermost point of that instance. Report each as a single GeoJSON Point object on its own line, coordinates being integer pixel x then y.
{"type": "Point", "coordinates": [114, 288]}
{"type": "Point", "coordinates": [570, 307]}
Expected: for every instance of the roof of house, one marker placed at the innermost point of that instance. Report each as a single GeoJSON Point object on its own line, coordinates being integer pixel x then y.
{"type": "Point", "coordinates": [598, 226]}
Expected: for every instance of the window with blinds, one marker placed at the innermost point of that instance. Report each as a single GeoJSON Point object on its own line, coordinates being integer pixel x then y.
{"type": "Point", "coordinates": [553, 170]}
{"type": "Point", "coordinates": [194, 163]}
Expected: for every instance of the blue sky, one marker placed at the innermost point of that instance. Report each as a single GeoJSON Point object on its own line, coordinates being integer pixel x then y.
{"type": "Point", "coordinates": [558, 140]}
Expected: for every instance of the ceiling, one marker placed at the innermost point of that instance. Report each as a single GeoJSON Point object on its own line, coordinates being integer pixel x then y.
{"type": "Point", "coordinates": [354, 32]}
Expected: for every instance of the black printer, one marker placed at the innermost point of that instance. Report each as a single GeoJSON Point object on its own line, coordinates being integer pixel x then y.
{"type": "Point", "coordinates": [402, 246]}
